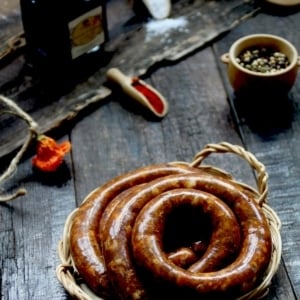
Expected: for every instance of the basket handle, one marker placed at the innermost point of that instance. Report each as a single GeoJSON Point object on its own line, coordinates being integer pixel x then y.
{"type": "Point", "coordinates": [224, 147]}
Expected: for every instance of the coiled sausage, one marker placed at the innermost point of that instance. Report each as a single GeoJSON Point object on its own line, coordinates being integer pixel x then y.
{"type": "Point", "coordinates": [238, 278]}
{"type": "Point", "coordinates": [110, 258]}
{"type": "Point", "coordinates": [84, 233]}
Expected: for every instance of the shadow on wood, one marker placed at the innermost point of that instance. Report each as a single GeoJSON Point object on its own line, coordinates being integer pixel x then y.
{"type": "Point", "coordinates": [265, 114]}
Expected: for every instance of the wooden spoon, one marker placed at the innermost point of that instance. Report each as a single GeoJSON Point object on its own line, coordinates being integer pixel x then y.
{"type": "Point", "coordinates": [140, 91]}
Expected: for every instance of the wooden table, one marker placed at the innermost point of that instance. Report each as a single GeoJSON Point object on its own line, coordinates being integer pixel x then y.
{"type": "Point", "coordinates": [117, 137]}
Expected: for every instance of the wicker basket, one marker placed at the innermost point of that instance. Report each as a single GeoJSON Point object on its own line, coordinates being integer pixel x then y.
{"type": "Point", "coordinates": [70, 279]}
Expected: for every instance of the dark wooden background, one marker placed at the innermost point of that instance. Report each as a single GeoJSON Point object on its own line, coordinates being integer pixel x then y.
{"type": "Point", "coordinates": [117, 136]}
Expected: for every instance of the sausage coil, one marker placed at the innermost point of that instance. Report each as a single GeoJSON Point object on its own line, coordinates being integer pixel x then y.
{"type": "Point", "coordinates": [173, 230]}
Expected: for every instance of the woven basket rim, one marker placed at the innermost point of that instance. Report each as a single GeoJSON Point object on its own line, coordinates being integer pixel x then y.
{"type": "Point", "coordinates": [70, 279]}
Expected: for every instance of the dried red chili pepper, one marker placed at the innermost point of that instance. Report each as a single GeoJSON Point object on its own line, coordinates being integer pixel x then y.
{"type": "Point", "coordinates": [49, 154]}
{"type": "Point", "coordinates": [155, 101]}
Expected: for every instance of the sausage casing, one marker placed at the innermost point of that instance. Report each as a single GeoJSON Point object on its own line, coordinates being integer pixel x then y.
{"type": "Point", "coordinates": [239, 277]}
{"type": "Point", "coordinates": [85, 242]}
{"type": "Point", "coordinates": [113, 239]}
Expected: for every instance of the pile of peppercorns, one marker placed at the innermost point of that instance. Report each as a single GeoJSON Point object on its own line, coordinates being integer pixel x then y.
{"type": "Point", "coordinates": [262, 60]}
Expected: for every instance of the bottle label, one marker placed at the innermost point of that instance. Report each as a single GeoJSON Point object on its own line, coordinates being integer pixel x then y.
{"type": "Point", "coordinates": [86, 32]}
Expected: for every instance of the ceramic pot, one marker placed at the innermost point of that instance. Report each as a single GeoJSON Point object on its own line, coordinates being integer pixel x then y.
{"type": "Point", "coordinates": [256, 83]}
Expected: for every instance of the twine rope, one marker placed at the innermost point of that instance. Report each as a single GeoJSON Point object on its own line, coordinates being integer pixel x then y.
{"type": "Point", "coordinates": [14, 109]}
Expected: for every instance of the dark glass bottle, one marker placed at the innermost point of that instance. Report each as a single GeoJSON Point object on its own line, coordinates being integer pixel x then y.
{"type": "Point", "coordinates": [61, 35]}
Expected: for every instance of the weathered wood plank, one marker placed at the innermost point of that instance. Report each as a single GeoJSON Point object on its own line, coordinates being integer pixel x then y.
{"type": "Point", "coordinates": [131, 51]}
{"type": "Point", "coordinates": [121, 136]}
{"type": "Point", "coordinates": [274, 137]}
{"type": "Point", "coordinates": [30, 229]}
{"type": "Point", "coordinates": [199, 114]}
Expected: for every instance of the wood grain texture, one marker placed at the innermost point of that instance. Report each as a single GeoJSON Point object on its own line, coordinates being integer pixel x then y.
{"type": "Point", "coordinates": [129, 49]}
{"type": "Point", "coordinates": [30, 230]}
{"type": "Point", "coordinates": [271, 131]}
{"type": "Point", "coordinates": [120, 136]}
